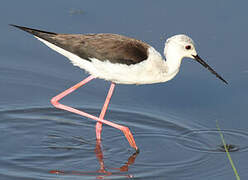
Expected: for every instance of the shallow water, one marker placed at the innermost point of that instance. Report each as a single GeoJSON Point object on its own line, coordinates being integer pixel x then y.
{"type": "Point", "coordinates": [174, 124]}
{"type": "Point", "coordinates": [44, 142]}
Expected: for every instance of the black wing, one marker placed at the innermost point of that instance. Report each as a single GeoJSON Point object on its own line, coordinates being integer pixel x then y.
{"type": "Point", "coordinates": [113, 47]}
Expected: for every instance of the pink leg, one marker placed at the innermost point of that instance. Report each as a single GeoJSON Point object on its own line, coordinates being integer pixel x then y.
{"type": "Point", "coordinates": [124, 129]}
{"type": "Point", "coordinates": [104, 109]}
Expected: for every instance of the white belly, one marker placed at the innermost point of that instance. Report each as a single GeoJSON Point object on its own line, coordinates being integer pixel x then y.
{"type": "Point", "coordinates": [151, 70]}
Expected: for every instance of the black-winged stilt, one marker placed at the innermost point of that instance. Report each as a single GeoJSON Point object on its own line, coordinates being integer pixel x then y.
{"type": "Point", "coordinates": [118, 59]}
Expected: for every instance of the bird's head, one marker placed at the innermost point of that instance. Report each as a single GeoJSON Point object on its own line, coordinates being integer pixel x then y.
{"type": "Point", "coordinates": [183, 46]}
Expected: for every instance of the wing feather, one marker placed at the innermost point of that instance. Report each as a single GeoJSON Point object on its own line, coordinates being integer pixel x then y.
{"type": "Point", "coordinates": [112, 47]}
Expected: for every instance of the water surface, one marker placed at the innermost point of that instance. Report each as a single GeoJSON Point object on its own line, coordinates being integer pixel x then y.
{"type": "Point", "coordinates": [174, 123]}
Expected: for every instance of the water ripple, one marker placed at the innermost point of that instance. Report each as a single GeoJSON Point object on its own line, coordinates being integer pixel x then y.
{"type": "Point", "coordinates": [49, 141]}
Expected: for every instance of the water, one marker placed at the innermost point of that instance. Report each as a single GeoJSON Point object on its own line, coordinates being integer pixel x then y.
{"type": "Point", "coordinates": [174, 124]}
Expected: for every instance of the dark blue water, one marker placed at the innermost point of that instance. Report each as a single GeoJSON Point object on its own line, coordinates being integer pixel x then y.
{"type": "Point", "coordinates": [174, 123]}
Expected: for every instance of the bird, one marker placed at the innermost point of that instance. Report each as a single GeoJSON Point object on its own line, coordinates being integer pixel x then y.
{"type": "Point", "coordinates": [120, 60]}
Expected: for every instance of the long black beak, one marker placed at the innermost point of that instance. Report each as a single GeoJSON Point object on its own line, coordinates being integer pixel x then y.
{"type": "Point", "coordinates": [198, 59]}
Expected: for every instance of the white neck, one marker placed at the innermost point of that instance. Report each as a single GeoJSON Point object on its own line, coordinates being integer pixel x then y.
{"type": "Point", "coordinates": [173, 61]}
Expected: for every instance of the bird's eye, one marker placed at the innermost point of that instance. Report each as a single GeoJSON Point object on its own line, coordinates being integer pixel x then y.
{"type": "Point", "coordinates": [188, 47]}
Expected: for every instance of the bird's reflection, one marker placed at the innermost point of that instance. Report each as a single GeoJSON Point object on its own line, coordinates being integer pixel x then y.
{"type": "Point", "coordinates": [103, 171]}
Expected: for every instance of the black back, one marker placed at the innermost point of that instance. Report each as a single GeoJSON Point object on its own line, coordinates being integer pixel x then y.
{"type": "Point", "coordinates": [112, 47]}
